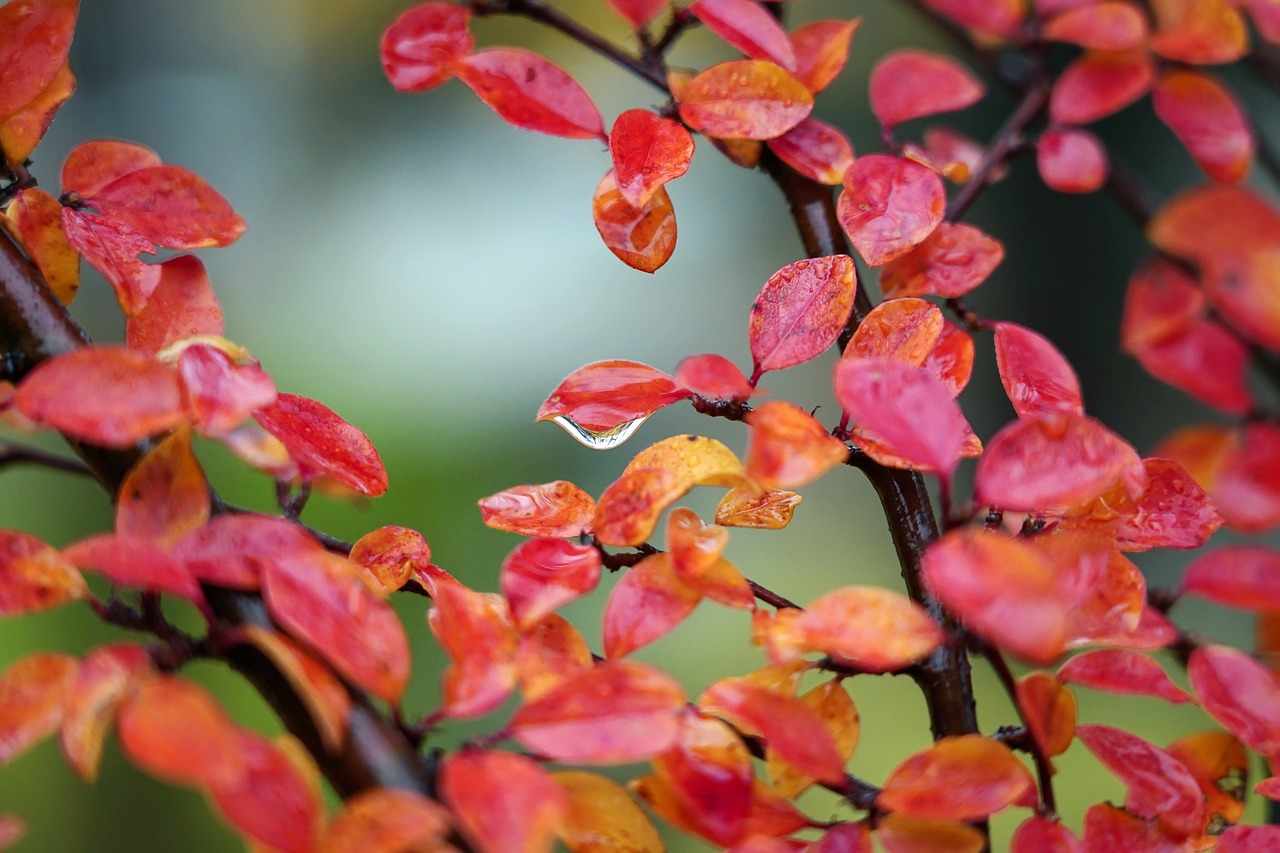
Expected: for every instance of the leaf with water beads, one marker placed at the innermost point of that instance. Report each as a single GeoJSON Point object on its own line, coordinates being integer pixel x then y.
{"type": "Point", "coordinates": [642, 237]}
{"type": "Point", "coordinates": [952, 261]}
{"type": "Point", "coordinates": [744, 99]}
{"type": "Point", "coordinates": [763, 509]}
{"type": "Point", "coordinates": [816, 150]}
{"type": "Point", "coordinates": [321, 442]}
{"type": "Point", "coordinates": [34, 40]}
{"type": "Point", "coordinates": [889, 206]}
{"type": "Point", "coordinates": [800, 311]}
{"type": "Point", "coordinates": [648, 151]}
{"type": "Point", "coordinates": [604, 403]}
{"type": "Point", "coordinates": [558, 509]}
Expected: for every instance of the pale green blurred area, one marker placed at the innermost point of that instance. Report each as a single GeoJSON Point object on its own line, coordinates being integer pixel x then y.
{"type": "Point", "coordinates": [432, 273]}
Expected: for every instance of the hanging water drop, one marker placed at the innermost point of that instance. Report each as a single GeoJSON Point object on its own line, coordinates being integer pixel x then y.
{"type": "Point", "coordinates": [599, 439]}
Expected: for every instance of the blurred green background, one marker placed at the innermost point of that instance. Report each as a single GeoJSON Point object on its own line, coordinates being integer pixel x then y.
{"type": "Point", "coordinates": [431, 274]}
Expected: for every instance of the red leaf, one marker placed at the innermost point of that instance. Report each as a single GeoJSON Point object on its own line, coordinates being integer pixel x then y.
{"type": "Point", "coordinates": [712, 377]}
{"type": "Point", "coordinates": [648, 151]}
{"type": "Point", "coordinates": [788, 448]}
{"type": "Point", "coordinates": [709, 771]}
{"type": "Point", "coordinates": [1037, 378]}
{"type": "Point", "coordinates": [34, 576]}
{"type": "Point", "coordinates": [816, 150]}
{"type": "Point", "coordinates": [112, 248]}
{"type": "Point", "coordinates": [1039, 834]}
{"type": "Point", "coordinates": [1209, 220]}
{"type": "Point", "coordinates": [639, 12]}
{"type": "Point", "coordinates": [559, 509]}
{"type": "Point", "coordinates": [230, 549]}
{"type": "Point", "coordinates": [181, 306]}
{"type": "Point", "coordinates": [1099, 84]}
{"type": "Point", "coordinates": [951, 359]}
{"type": "Point", "coordinates": [101, 682]}
{"type": "Point", "coordinates": [323, 443]}
{"type": "Point", "coordinates": [629, 509]}
{"type": "Point", "coordinates": [542, 575]}
{"type": "Point", "coordinates": [321, 599]}
{"type": "Point", "coordinates": [956, 778]}
{"type": "Point", "coordinates": [175, 730]}
{"type": "Point", "coordinates": [997, 17]}
{"type": "Point", "coordinates": [1071, 160]}
{"type": "Point", "coordinates": [170, 206]}
{"type": "Point", "coordinates": [605, 395]}
{"type": "Point", "coordinates": [647, 602]}
{"type": "Point", "coordinates": [219, 394]}
{"type": "Point", "coordinates": [548, 653]}
{"type": "Point", "coordinates": [386, 820]}
{"type": "Point", "coordinates": [530, 92]}
{"type": "Point", "coordinates": [1173, 512]}
{"type": "Point", "coordinates": [37, 218]}
{"type": "Point", "coordinates": [1158, 785]}
{"type": "Point", "coordinates": [889, 206]}
{"type": "Point", "coordinates": [34, 40]}
{"type": "Point", "coordinates": [1109, 828]}
{"type": "Point", "coordinates": [94, 164]}
{"type": "Point", "coordinates": [800, 311]}
{"type": "Point", "coordinates": [271, 801]}
{"type": "Point", "coordinates": [618, 712]}
{"type": "Point", "coordinates": [909, 84]}
{"type": "Point", "coordinates": [477, 635]}
{"type": "Point", "coordinates": [1239, 469]}
{"type": "Point", "coordinates": [1124, 672]}
{"type": "Point", "coordinates": [822, 48]}
{"type": "Point", "coordinates": [165, 496]}
{"type": "Point", "coordinates": [420, 49]}
{"type": "Point", "coordinates": [746, 25]}
{"type": "Point", "coordinates": [1239, 693]}
{"type": "Point", "coordinates": [1244, 576]}
{"type": "Point", "coordinates": [643, 237]}
{"type": "Point", "coordinates": [1101, 26]}
{"type": "Point", "coordinates": [1209, 122]}
{"type": "Point", "coordinates": [904, 407]}
{"type": "Point", "coordinates": [135, 562]}
{"type": "Point", "coordinates": [745, 99]}
{"type": "Point", "coordinates": [503, 803]}
{"type": "Point", "coordinates": [951, 261]}
{"type": "Point", "coordinates": [33, 697]}
{"type": "Point", "coordinates": [1248, 839]}
{"type": "Point", "coordinates": [1220, 766]}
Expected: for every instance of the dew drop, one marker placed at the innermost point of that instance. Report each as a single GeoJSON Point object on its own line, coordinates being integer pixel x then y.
{"type": "Point", "coordinates": [602, 439]}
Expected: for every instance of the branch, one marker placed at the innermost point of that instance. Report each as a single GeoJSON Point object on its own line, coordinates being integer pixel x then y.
{"type": "Point", "coordinates": [1009, 139]}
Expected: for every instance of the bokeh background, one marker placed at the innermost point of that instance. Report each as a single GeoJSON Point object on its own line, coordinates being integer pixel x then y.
{"type": "Point", "coordinates": [432, 273]}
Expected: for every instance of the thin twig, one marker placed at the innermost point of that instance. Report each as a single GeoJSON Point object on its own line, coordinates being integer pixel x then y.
{"type": "Point", "coordinates": [1044, 769]}
{"type": "Point", "coordinates": [21, 454]}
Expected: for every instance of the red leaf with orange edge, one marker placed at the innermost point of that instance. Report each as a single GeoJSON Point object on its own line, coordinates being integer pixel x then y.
{"type": "Point", "coordinates": [502, 802]}
{"type": "Point", "coordinates": [639, 12]}
{"type": "Point", "coordinates": [956, 778]}
{"type": "Point", "coordinates": [22, 131]}
{"type": "Point", "coordinates": [1122, 671]}
{"type": "Point", "coordinates": [33, 697]}
{"type": "Point", "coordinates": [548, 653]}
{"type": "Point", "coordinates": [1099, 84]}
{"type": "Point", "coordinates": [1115, 611]}
{"type": "Point", "coordinates": [1239, 693]}
{"type": "Point", "coordinates": [645, 605]}
{"type": "Point", "coordinates": [1055, 460]}
{"type": "Point", "coordinates": [1107, 827]}
{"type": "Point", "coordinates": [558, 509]}
{"type": "Point", "coordinates": [617, 712]}
{"type": "Point", "coordinates": [1201, 32]}
{"type": "Point", "coordinates": [386, 820]}
{"type": "Point", "coordinates": [951, 359]}
{"type": "Point", "coordinates": [904, 407]}
{"type": "Point", "coordinates": [165, 496]}
{"type": "Point", "coordinates": [34, 40]}
{"type": "Point", "coordinates": [320, 691]}
{"type": "Point", "coordinates": [909, 84]}
{"type": "Point", "coordinates": [788, 448]}
{"type": "Point", "coordinates": [271, 801]}
{"type": "Point", "coordinates": [889, 206]}
{"type": "Point", "coordinates": [904, 330]}
{"type": "Point", "coordinates": [712, 377]}
{"type": "Point", "coordinates": [94, 164]}
{"type": "Point", "coordinates": [530, 92]}
{"type": "Point", "coordinates": [648, 151]}
{"type": "Point", "coordinates": [420, 49]}
{"type": "Point", "coordinates": [175, 730]}
{"type": "Point", "coordinates": [997, 17]}
{"type": "Point", "coordinates": [220, 395]}
{"type": "Point", "coordinates": [391, 555]}
{"type": "Point", "coordinates": [321, 599]}
{"type": "Point", "coordinates": [791, 729]}
{"type": "Point", "coordinates": [951, 261]}
{"type": "Point", "coordinates": [230, 549]}
{"type": "Point", "coordinates": [182, 305]}
{"type": "Point", "coordinates": [1038, 834]}
{"type": "Point", "coordinates": [323, 443]}
{"type": "Point", "coordinates": [1036, 376]}
{"type": "Point", "coordinates": [815, 149]}
{"type": "Point", "coordinates": [643, 237]}
{"type": "Point", "coordinates": [605, 395]}
{"type": "Point", "coordinates": [477, 635]}
{"type": "Point", "coordinates": [1242, 288]}
{"type": "Point", "coordinates": [838, 713]}
{"type": "Point", "coordinates": [800, 311]}
{"type": "Point", "coordinates": [542, 575]}
{"type": "Point", "coordinates": [35, 576]}
{"type": "Point", "coordinates": [1173, 512]}
{"type": "Point", "coordinates": [745, 99]}
{"type": "Point", "coordinates": [1072, 160]}
{"type": "Point", "coordinates": [1101, 26]}
{"type": "Point", "coordinates": [37, 217]}
{"type": "Point", "coordinates": [1220, 766]}
{"type": "Point", "coordinates": [693, 547]}
{"type": "Point", "coordinates": [135, 562]}
{"type": "Point", "coordinates": [709, 770]}
{"type": "Point", "coordinates": [1243, 576]}
{"type": "Point", "coordinates": [822, 48]}
{"type": "Point", "coordinates": [767, 509]}
{"type": "Point", "coordinates": [602, 816]}
{"type": "Point", "coordinates": [628, 510]}
{"type": "Point", "coordinates": [100, 683]}
{"type": "Point", "coordinates": [747, 26]}
{"type": "Point", "coordinates": [169, 206]}
{"type": "Point", "coordinates": [1208, 120]}
{"type": "Point", "coordinates": [1049, 710]}
{"type": "Point", "coordinates": [1157, 784]}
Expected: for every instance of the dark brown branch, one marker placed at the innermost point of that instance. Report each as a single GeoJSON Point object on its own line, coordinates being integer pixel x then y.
{"type": "Point", "coordinates": [1009, 139]}
{"type": "Point", "coordinates": [1044, 768]}
{"type": "Point", "coordinates": [20, 454]}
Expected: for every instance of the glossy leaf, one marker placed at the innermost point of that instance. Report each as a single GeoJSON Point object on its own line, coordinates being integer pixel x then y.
{"type": "Point", "coordinates": [34, 40]}
{"type": "Point", "coordinates": [639, 12]}
{"type": "Point", "coordinates": [629, 509]}
{"type": "Point", "coordinates": [709, 770]}
{"type": "Point", "coordinates": [1072, 160]}
{"type": "Point", "coordinates": [899, 833]}
{"type": "Point", "coordinates": [321, 442]}
{"type": "Point", "coordinates": [22, 131]}
{"type": "Point", "coordinates": [641, 237]}
{"type": "Point", "coordinates": [165, 496]}
{"type": "Point", "coordinates": [601, 816]}
{"type": "Point", "coordinates": [558, 509]}
{"type": "Point", "coordinates": [478, 636]}
{"type": "Point", "coordinates": [768, 509]}
{"type": "Point", "coordinates": [616, 713]}
{"type": "Point", "coordinates": [1157, 784]}
{"type": "Point", "coordinates": [996, 17]}
{"type": "Point", "coordinates": [712, 377]}
{"type": "Point", "coordinates": [909, 84]}
{"type": "Point", "coordinates": [94, 164]}
{"type": "Point", "coordinates": [645, 605]}
{"type": "Point", "coordinates": [819, 151]}
{"type": "Point", "coordinates": [37, 217]}
{"type": "Point", "coordinates": [1208, 120]}
{"type": "Point", "coordinates": [321, 599]}
{"type": "Point", "coordinates": [956, 778]}
{"type": "Point", "coordinates": [33, 697]}
{"type": "Point", "coordinates": [169, 206]}
{"type": "Point", "coordinates": [648, 151]}
{"type": "Point", "coordinates": [135, 562]}
{"type": "Point", "coordinates": [800, 311]}
{"type": "Point", "coordinates": [1239, 693]}
{"type": "Point", "coordinates": [951, 360]}
{"type": "Point", "coordinates": [34, 576]}
{"type": "Point", "coordinates": [1122, 671]}
{"type": "Point", "coordinates": [502, 802]}
{"type": "Point", "coordinates": [113, 248]}
{"type": "Point", "coordinates": [106, 395]}
{"type": "Point", "coordinates": [220, 395]}
{"type": "Point", "coordinates": [822, 48]}
{"type": "Point", "coordinates": [1049, 710]}
{"type": "Point", "coordinates": [1098, 84]}
{"type": "Point", "coordinates": [531, 93]}
{"type": "Point", "coordinates": [544, 574]}
{"type": "Point", "coordinates": [1107, 827]}
{"type": "Point", "coordinates": [745, 99]}
{"type": "Point", "coordinates": [951, 261]}
{"type": "Point", "coordinates": [386, 820]}
{"type": "Point", "coordinates": [182, 305]}
{"type": "Point", "coordinates": [747, 26]}
{"type": "Point", "coordinates": [175, 730]}
{"type": "Point", "coordinates": [325, 697]}
{"type": "Point", "coordinates": [1173, 512]}
{"type": "Point", "coordinates": [607, 394]}
{"type": "Point", "coordinates": [788, 448]}
{"type": "Point", "coordinates": [1036, 376]}
{"type": "Point", "coordinates": [1202, 32]}
{"type": "Point", "coordinates": [1115, 612]}
{"type": "Point", "coordinates": [420, 49]}
{"type": "Point", "coordinates": [838, 713]}
{"type": "Point", "coordinates": [693, 547]}
{"type": "Point", "coordinates": [1220, 766]}
{"type": "Point", "coordinates": [391, 556]}
{"type": "Point", "coordinates": [271, 801]}
{"type": "Point", "coordinates": [957, 156]}
{"type": "Point", "coordinates": [230, 549]}
{"type": "Point", "coordinates": [548, 653]}
{"type": "Point", "coordinates": [904, 330]}
{"type": "Point", "coordinates": [1100, 26]}
{"type": "Point", "coordinates": [889, 206]}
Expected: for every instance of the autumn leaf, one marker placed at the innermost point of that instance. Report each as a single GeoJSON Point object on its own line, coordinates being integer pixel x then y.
{"type": "Point", "coordinates": [747, 26]}
{"type": "Point", "coordinates": [33, 696]}
{"type": "Point", "coordinates": [1122, 671]}
{"type": "Point", "coordinates": [220, 394]}
{"type": "Point", "coordinates": [800, 311]}
{"type": "Point", "coordinates": [1072, 160]}
{"type": "Point", "coordinates": [182, 305]}
{"type": "Point", "coordinates": [502, 802]}
{"type": "Point", "coordinates": [37, 217]}
{"type": "Point", "coordinates": [1209, 121]}
{"type": "Point", "coordinates": [169, 206]}
{"type": "Point", "coordinates": [601, 816]}
{"type": "Point", "coordinates": [909, 84]}
{"type": "Point", "coordinates": [558, 509]}
{"type": "Point", "coordinates": [175, 730]}
{"type": "Point", "coordinates": [767, 509]}
{"type": "Point", "coordinates": [386, 820]}
{"type": "Point", "coordinates": [165, 496]}
{"type": "Point", "coordinates": [231, 549]}
{"type": "Point", "coordinates": [645, 605]}
{"type": "Point", "coordinates": [905, 330]}
{"type": "Point", "coordinates": [136, 562]}
{"type": "Point", "coordinates": [956, 778]}
{"type": "Point", "coordinates": [1158, 785]}
{"type": "Point", "coordinates": [1100, 26]}
{"type": "Point", "coordinates": [605, 395]}
{"type": "Point", "coordinates": [1049, 709]}
{"type": "Point", "coordinates": [822, 48]}
{"type": "Point", "coordinates": [1244, 576]}
{"type": "Point", "coordinates": [639, 12]}
{"type": "Point", "coordinates": [321, 442]}
{"type": "Point", "coordinates": [642, 237]}
{"type": "Point", "coordinates": [1239, 693]}
{"type": "Point", "coordinates": [1036, 376]}
{"type": "Point", "coordinates": [1098, 84]}
{"type": "Point", "coordinates": [788, 448]}
{"type": "Point", "coordinates": [712, 377]}
{"type": "Point", "coordinates": [530, 92]}
{"type": "Point", "coordinates": [479, 638]}
{"type": "Point", "coordinates": [420, 49]}
{"type": "Point", "coordinates": [544, 574]}
{"type": "Point", "coordinates": [815, 149]}
{"type": "Point", "coordinates": [995, 17]}
{"type": "Point", "coordinates": [35, 576]}
{"type": "Point", "coordinates": [22, 131]}
{"type": "Point", "coordinates": [951, 261]}
{"type": "Point", "coordinates": [744, 99]}
{"type": "Point", "coordinates": [548, 653]}
{"type": "Point", "coordinates": [34, 40]}
{"type": "Point", "coordinates": [104, 678]}
{"type": "Point", "coordinates": [648, 151]}
{"type": "Point", "coordinates": [271, 801]}
{"type": "Point", "coordinates": [889, 206]}
{"type": "Point", "coordinates": [1201, 32]}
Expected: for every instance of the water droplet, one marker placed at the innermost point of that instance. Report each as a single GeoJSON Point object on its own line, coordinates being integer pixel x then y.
{"type": "Point", "coordinates": [599, 440]}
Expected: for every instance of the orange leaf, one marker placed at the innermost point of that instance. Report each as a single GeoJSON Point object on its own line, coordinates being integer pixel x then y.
{"type": "Point", "coordinates": [822, 48]}
{"type": "Point", "coordinates": [645, 605]}
{"type": "Point", "coordinates": [800, 311]}
{"type": "Point", "coordinates": [34, 40]}
{"type": "Point", "coordinates": [951, 261]}
{"type": "Point", "coordinates": [1115, 611]}
{"type": "Point", "coordinates": [1157, 784]}
{"type": "Point", "coordinates": [181, 306]}
{"type": "Point", "coordinates": [1099, 84]}
{"type": "Point", "coordinates": [908, 834]}
{"type": "Point", "coordinates": [175, 730]}
{"type": "Point", "coordinates": [21, 132]}
{"type": "Point", "coordinates": [1208, 220]}
{"type": "Point", "coordinates": [391, 555]}
{"type": "Point", "coordinates": [1208, 120]}
{"type": "Point", "coordinates": [904, 330]}
{"type": "Point", "coordinates": [37, 216]}
{"type": "Point", "coordinates": [840, 716]}
{"type": "Point", "coordinates": [543, 575]}
{"type": "Point", "coordinates": [788, 448]}
{"type": "Point", "coordinates": [321, 599]}
{"type": "Point", "coordinates": [1049, 710]}
{"type": "Point", "coordinates": [1071, 160]}
{"type": "Point", "coordinates": [889, 206]}
{"type": "Point", "coordinates": [628, 510]}
{"type": "Point", "coordinates": [602, 817]}
{"type": "Point", "coordinates": [909, 84]}
{"type": "Point", "coordinates": [530, 92]}
{"type": "Point", "coordinates": [816, 150]}
{"type": "Point", "coordinates": [1173, 512]}
{"type": "Point", "coordinates": [694, 459]}
{"type": "Point", "coordinates": [325, 697]}
{"type": "Point", "coordinates": [618, 712]}
{"type": "Point", "coordinates": [169, 206]}
{"type": "Point", "coordinates": [1101, 26]}
{"type": "Point", "coordinates": [558, 509]}
{"type": "Point", "coordinates": [608, 395]}
{"type": "Point", "coordinates": [230, 549]}
{"type": "Point", "coordinates": [386, 820]}
{"type": "Point", "coordinates": [33, 697]}
{"type": "Point", "coordinates": [712, 377]}
{"type": "Point", "coordinates": [102, 680]}
{"type": "Point", "coordinates": [709, 771]}
{"type": "Point", "coordinates": [34, 576]}
{"type": "Point", "coordinates": [323, 443]}
{"type": "Point", "coordinates": [693, 547]}
{"type": "Point", "coordinates": [1202, 32]}
{"type": "Point", "coordinates": [648, 151]}
{"type": "Point", "coordinates": [477, 635]}
{"type": "Point", "coordinates": [106, 395]}
{"type": "Point", "coordinates": [1037, 378]}
{"type": "Point", "coordinates": [1107, 827]}
{"type": "Point", "coordinates": [768, 509]}
{"type": "Point", "coordinates": [548, 653]}
{"type": "Point", "coordinates": [641, 237]}
{"type": "Point", "coordinates": [503, 803]}
{"type": "Point", "coordinates": [420, 49]}
{"type": "Point", "coordinates": [165, 496]}
{"type": "Point", "coordinates": [271, 801]}
{"type": "Point", "coordinates": [956, 778]}
{"type": "Point", "coordinates": [135, 562]}
{"type": "Point", "coordinates": [748, 26]}
{"type": "Point", "coordinates": [745, 99]}
{"type": "Point", "coordinates": [951, 360]}
{"type": "Point", "coordinates": [1220, 766]}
